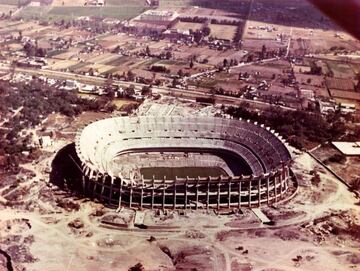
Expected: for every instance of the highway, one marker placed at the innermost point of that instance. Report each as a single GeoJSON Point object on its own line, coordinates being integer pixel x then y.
{"type": "Point", "coordinates": [166, 91]}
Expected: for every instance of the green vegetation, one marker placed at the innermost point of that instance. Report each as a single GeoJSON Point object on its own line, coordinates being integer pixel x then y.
{"type": "Point", "coordinates": [300, 128]}
{"type": "Point", "coordinates": [336, 158]}
{"type": "Point", "coordinates": [34, 102]}
{"type": "Point", "coordinates": [341, 70]}
{"type": "Point", "coordinates": [55, 52]}
{"type": "Point", "coordinates": [181, 172]}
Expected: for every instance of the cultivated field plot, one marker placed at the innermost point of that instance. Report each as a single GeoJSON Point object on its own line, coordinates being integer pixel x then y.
{"type": "Point", "coordinates": [261, 30]}
{"type": "Point", "coordinates": [263, 71]}
{"type": "Point", "coordinates": [100, 68]}
{"type": "Point", "coordinates": [14, 27]}
{"type": "Point", "coordinates": [320, 44]}
{"type": "Point", "coordinates": [7, 8]}
{"type": "Point", "coordinates": [185, 26]}
{"type": "Point", "coordinates": [231, 8]}
{"type": "Point", "coordinates": [257, 44]}
{"type": "Point", "coordinates": [214, 57]}
{"type": "Point", "coordinates": [60, 65]}
{"type": "Point", "coordinates": [70, 12]}
{"type": "Point", "coordinates": [219, 14]}
{"type": "Point", "coordinates": [341, 70]}
{"type": "Point", "coordinates": [343, 94]}
{"type": "Point", "coordinates": [68, 3]}
{"type": "Point", "coordinates": [32, 12]}
{"type": "Point", "coordinates": [225, 32]}
{"type": "Point", "coordinates": [123, 13]}
{"type": "Point", "coordinates": [297, 13]}
{"type": "Point", "coordinates": [11, 2]}
{"type": "Point", "coordinates": [141, 3]}
{"type": "Point", "coordinates": [104, 58]}
{"type": "Point", "coordinates": [69, 54]}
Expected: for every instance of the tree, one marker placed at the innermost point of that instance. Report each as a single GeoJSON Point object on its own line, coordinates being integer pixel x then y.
{"type": "Point", "coordinates": [146, 90]}
{"type": "Point", "coordinates": [129, 91]}
{"type": "Point", "coordinates": [191, 64]}
{"type": "Point", "coordinates": [137, 267]}
{"type": "Point", "coordinates": [148, 52]}
{"type": "Point", "coordinates": [263, 52]}
{"type": "Point", "coordinates": [225, 62]}
{"type": "Point", "coordinates": [168, 55]}
{"type": "Point", "coordinates": [180, 73]}
{"type": "Point", "coordinates": [206, 31]}
{"type": "Point", "coordinates": [130, 76]}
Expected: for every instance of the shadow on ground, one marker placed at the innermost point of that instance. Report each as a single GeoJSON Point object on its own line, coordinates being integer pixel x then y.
{"type": "Point", "coordinates": [65, 170]}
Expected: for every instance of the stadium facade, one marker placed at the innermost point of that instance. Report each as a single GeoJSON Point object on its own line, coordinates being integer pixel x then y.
{"type": "Point", "coordinates": [259, 148]}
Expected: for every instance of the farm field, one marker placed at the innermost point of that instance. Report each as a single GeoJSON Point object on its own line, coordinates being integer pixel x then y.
{"type": "Point", "coordinates": [185, 26]}
{"type": "Point", "coordinates": [123, 13]}
{"type": "Point", "coordinates": [7, 8]}
{"type": "Point", "coordinates": [108, 3]}
{"type": "Point", "coordinates": [9, 2]}
{"type": "Point", "coordinates": [226, 32]}
{"type": "Point", "coordinates": [69, 12]}
{"type": "Point", "coordinates": [341, 70]}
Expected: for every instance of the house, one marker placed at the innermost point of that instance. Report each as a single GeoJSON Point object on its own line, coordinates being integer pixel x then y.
{"type": "Point", "coordinates": [347, 108]}
{"type": "Point", "coordinates": [326, 107]}
{"type": "Point", "coordinates": [45, 141]}
{"type": "Point", "coordinates": [152, 22]}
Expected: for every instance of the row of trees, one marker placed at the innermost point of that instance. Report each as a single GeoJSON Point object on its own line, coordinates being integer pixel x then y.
{"type": "Point", "coordinates": [202, 20]}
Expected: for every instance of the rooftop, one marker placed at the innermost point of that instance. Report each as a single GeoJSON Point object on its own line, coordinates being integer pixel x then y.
{"type": "Point", "coordinates": [348, 148]}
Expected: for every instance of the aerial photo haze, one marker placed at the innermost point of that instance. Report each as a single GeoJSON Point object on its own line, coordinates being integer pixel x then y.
{"type": "Point", "coordinates": [192, 135]}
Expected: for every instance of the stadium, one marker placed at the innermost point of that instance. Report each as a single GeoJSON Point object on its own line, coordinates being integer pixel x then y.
{"type": "Point", "coordinates": [183, 162]}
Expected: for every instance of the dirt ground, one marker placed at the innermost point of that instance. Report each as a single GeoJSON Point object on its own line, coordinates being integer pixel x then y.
{"type": "Point", "coordinates": [45, 228]}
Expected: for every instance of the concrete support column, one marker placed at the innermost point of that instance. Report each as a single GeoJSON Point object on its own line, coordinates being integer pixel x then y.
{"type": "Point", "coordinates": [152, 192]}
{"type": "Point", "coordinates": [131, 192]}
{"type": "Point", "coordinates": [249, 190]}
{"type": "Point", "coordinates": [229, 192]}
{"type": "Point", "coordinates": [142, 192]}
{"type": "Point", "coordinates": [163, 192]}
{"type": "Point", "coordinates": [275, 186]}
{"type": "Point", "coordinates": [287, 177]}
{"type": "Point", "coordinates": [268, 189]}
{"type": "Point", "coordinates": [197, 193]}
{"type": "Point", "coordinates": [83, 182]}
{"type": "Point", "coordinates": [174, 193]}
{"type": "Point", "coordinates": [218, 193]}
{"type": "Point", "coordinates": [208, 192]}
{"type": "Point", "coordinates": [186, 195]}
{"type": "Point", "coordinates": [239, 200]}
{"type": "Point", "coordinates": [111, 189]}
{"type": "Point", "coordinates": [259, 192]}
{"type": "Point", "coordinates": [120, 192]}
{"type": "Point", "coordinates": [103, 182]}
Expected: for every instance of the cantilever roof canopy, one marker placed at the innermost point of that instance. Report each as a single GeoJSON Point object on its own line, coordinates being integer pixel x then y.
{"type": "Point", "coordinates": [348, 148]}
